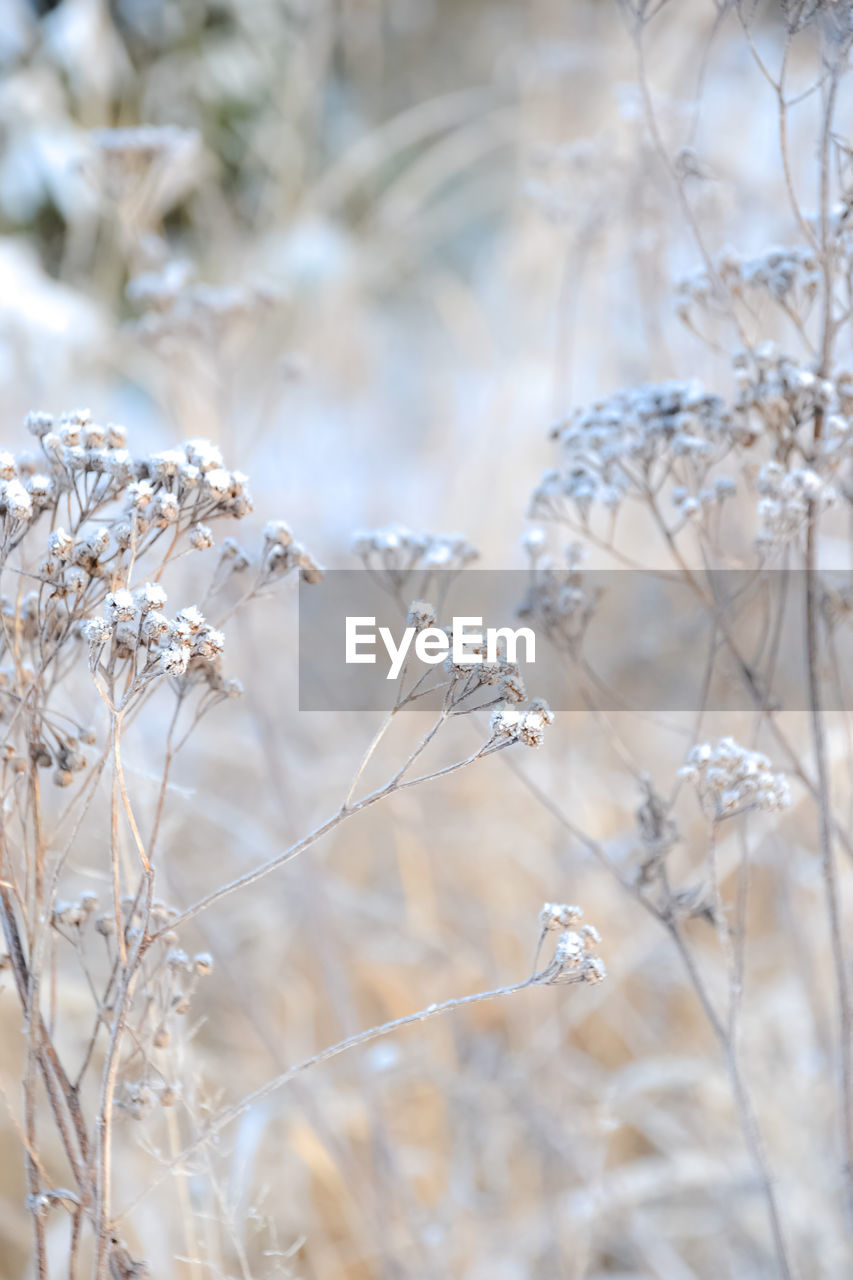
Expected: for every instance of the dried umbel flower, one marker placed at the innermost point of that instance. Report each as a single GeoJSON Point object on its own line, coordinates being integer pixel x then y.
{"type": "Point", "coordinates": [278, 533]}
{"type": "Point", "coordinates": [511, 724]}
{"type": "Point", "coordinates": [396, 552]}
{"type": "Point", "coordinates": [559, 915]}
{"type": "Point", "coordinates": [60, 544]}
{"type": "Point", "coordinates": [779, 397]}
{"type": "Point", "coordinates": [421, 615]}
{"type": "Point", "coordinates": [644, 432]}
{"type": "Point", "coordinates": [281, 555]}
{"type": "Point", "coordinates": [15, 503]}
{"type": "Point", "coordinates": [511, 686]}
{"type": "Point", "coordinates": [201, 537]}
{"type": "Point", "coordinates": [120, 606]}
{"type": "Point", "coordinates": [175, 660]}
{"type": "Point", "coordinates": [204, 455]}
{"type": "Point", "coordinates": [591, 936]}
{"type": "Point", "coordinates": [789, 275]}
{"type": "Point", "coordinates": [39, 423]}
{"type": "Point", "coordinates": [572, 960]}
{"type": "Point", "coordinates": [731, 779]}
{"type": "Point", "coordinates": [149, 596]}
{"type": "Point", "coordinates": [156, 625]}
{"type": "Point", "coordinates": [97, 631]}
{"type": "Point", "coordinates": [787, 499]}
{"type": "Point", "coordinates": [560, 600]}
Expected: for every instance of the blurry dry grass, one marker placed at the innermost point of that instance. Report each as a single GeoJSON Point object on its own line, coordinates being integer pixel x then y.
{"type": "Point", "coordinates": [369, 159]}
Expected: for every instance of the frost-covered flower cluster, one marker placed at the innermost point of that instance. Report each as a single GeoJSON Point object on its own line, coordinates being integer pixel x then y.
{"type": "Point", "coordinates": [281, 554]}
{"type": "Point", "coordinates": [676, 435]}
{"type": "Point", "coordinates": [515, 724]}
{"type": "Point", "coordinates": [786, 499]}
{"type": "Point", "coordinates": [174, 487]}
{"type": "Point", "coordinates": [629, 443]}
{"type": "Point", "coordinates": [730, 778]}
{"type": "Point", "coordinates": [421, 615]}
{"type": "Point", "coordinates": [557, 595]}
{"type": "Point", "coordinates": [782, 395]}
{"type": "Point", "coordinates": [399, 551]}
{"type": "Point", "coordinates": [499, 675]}
{"type": "Point", "coordinates": [574, 959]}
{"type": "Point", "coordinates": [789, 274]}
{"type": "Point", "coordinates": [108, 511]}
{"type": "Point", "coordinates": [133, 626]}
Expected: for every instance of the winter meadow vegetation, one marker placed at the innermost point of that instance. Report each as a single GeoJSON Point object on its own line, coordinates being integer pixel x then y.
{"type": "Point", "coordinates": [492, 990]}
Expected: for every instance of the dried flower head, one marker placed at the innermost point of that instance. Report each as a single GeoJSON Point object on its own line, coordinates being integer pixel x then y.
{"type": "Point", "coordinates": [730, 779]}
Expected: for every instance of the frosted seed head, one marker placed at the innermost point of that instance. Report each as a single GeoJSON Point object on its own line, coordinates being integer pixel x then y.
{"type": "Point", "coordinates": [189, 621]}
{"type": "Point", "coordinates": [39, 423]}
{"type": "Point", "coordinates": [120, 605]}
{"type": "Point", "coordinates": [175, 660]}
{"type": "Point", "coordinates": [559, 915]}
{"type": "Point", "coordinates": [593, 970]}
{"type": "Point", "coordinates": [591, 936]}
{"type": "Point", "coordinates": [209, 643]}
{"type": "Point", "coordinates": [97, 631]}
{"type": "Point", "coordinates": [149, 596]}
{"type": "Point", "coordinates": [156, 625]}
{"type": "Point", "coordinates": [201, 537]}
{"type": "Point", "coordinates": [165, 509]}
{"type": "Point", "coordinates": [421, 615]}
{"type": "Point", "coordinates": [277, 531]}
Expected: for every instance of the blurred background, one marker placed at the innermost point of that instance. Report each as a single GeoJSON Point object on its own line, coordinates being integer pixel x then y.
{"type": "Point", "coordinates": [374, 248]}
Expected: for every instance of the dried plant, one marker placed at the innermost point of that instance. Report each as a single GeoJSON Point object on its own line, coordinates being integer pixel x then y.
{"type": "Point", "coordinates": [86, 631]}
{"type": "Point", "coordinates": [685, 460]}
{"type": "Point", "coordinates": [315, 233]}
